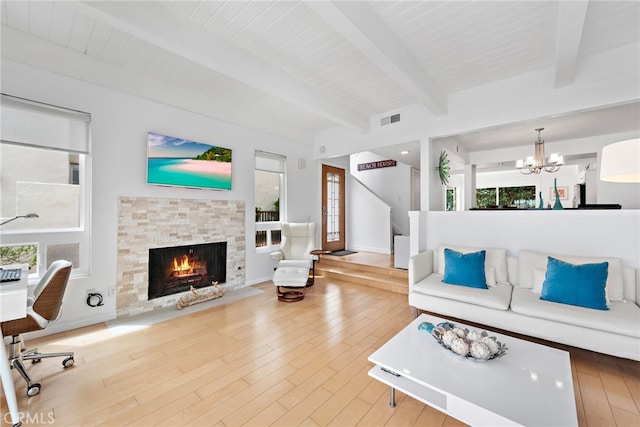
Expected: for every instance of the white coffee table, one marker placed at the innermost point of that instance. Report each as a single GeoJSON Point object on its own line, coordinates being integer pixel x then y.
{"type": "Point", "coordinates": [530, 385]}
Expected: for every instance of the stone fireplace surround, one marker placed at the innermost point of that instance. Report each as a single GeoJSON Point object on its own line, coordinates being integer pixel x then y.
{"type": "Point", "coordinates": [145, 223]}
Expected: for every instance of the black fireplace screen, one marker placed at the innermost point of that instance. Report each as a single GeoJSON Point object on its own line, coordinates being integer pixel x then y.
{"type": "Point", "coordinates": [176, 269]}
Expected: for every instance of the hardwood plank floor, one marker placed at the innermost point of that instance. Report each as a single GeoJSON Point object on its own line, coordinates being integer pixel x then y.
{"type": "Point", "coordinates": [261, 362]}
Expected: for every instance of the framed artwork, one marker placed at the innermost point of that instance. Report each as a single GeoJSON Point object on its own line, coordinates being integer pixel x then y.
{"type": "Point", "coordinates": [563, 192]}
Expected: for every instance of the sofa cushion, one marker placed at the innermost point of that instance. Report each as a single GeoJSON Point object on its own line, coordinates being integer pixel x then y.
{"type": "Point", "coordinates": [497, 297]}
{"type": "Point", "coordinates": [496, 258]}
{"type": "Point", "coordinates": [582, 285]}
{"type": "Point", "coordinates": [464, 269]}
{"type": "Point", "coordinates": [621, 318]}
{"type": "Point", "coordinates": [528, 261]}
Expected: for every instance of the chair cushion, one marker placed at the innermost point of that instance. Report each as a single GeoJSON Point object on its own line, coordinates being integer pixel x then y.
{"type": "Point", "coordinates": [302, 263]}
{"type": "Point", "coordinates": [292, 277]}
{"type": "Point", "coordinates": [298, 240]}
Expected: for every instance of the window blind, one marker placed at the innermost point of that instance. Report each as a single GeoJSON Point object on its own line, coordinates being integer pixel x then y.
{"type": "Point", "coordinates": [31, 123]}
{"type": "Point", "coordinates": [270, 162]}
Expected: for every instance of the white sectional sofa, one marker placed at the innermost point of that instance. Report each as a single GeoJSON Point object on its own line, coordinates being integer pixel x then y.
{"type": "Point", "coordinates": [512, 301]}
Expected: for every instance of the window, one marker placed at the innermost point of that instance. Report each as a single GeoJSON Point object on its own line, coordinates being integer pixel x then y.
{"type": "Point", "coordinates": [269, 198]}
{"type": "Point", "coordinates": [518, 197]}
{"type": "Point", "coordinates": [43, 179]}
{"type": "Point", "coordinates": [452, 199]}
{"type": "Point", "coordinates": [486, 197]}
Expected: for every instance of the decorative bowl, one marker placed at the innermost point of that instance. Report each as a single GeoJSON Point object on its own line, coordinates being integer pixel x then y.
{"type": "Point", "coordinates": [470, 344]}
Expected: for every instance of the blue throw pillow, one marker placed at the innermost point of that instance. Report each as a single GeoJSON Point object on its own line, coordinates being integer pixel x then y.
{"type": "Point", "coordinates": [582, 285]}
{"type": "Point", "coordinates": [464, 269]}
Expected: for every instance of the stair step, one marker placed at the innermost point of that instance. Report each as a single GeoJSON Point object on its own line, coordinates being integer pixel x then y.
{"type": "Point", "coordinates": [390, 279]}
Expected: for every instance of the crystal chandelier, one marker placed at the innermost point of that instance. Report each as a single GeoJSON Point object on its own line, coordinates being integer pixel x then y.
{"type": "Point", "coordinates": [537, 163]}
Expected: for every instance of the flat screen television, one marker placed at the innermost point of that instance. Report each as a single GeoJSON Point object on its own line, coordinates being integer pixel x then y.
{"type": "Point", "coordinates": [180, 162]}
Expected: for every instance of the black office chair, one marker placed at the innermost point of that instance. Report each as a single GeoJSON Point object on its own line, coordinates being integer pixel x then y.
{"type": "Point", "coordinates": [43, 308]}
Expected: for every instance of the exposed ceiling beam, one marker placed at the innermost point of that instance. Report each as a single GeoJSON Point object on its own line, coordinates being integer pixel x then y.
{"type": "Point", "coordinates": [156, 24]}
{"type": "Point", "coordinates": [32, 50]}
{"type": "Point", "coordinates": [364, 28]}
{"type": "Point", "coordinates": [571, 15]}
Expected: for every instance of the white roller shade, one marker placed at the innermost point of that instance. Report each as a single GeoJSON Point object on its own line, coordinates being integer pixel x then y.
{"type": "Point", "coordinates": [270, 162]}
{"type": "Point", "coordinates": [32, 123]}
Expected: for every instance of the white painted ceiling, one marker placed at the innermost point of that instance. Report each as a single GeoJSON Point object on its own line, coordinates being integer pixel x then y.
{"type": "Point", "coordinates": [293, 68]}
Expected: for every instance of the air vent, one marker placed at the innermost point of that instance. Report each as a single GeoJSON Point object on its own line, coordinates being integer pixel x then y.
{"type": "Point", "coordinates": [389, 120]}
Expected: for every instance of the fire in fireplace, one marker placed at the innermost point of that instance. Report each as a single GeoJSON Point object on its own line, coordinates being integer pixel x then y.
{"type": "Point", "coordinates": [176, 269]}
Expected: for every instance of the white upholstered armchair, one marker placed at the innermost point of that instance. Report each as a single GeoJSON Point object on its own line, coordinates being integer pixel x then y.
{"type": "Point", "coordinates": [298, 240]}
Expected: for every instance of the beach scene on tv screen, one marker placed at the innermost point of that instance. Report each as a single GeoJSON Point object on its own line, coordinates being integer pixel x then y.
{"type": "Point", "coordinates": [181, 162]}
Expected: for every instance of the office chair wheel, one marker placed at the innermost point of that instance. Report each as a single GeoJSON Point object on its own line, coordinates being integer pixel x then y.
{"type": "Point", "coordinates": [33, 389]}
{"type": "Point", "coordinates": [68, 362]}
{"type": "Point", "coordinates": [34, 361]}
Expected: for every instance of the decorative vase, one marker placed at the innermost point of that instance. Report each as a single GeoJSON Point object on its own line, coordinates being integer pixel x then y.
{"type": "Point", "coordinates": [541, 205]}
{"type": "Point", "coordinates": [557, 205]}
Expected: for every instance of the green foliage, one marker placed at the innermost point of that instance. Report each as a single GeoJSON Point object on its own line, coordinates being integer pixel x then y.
{"type": "Point", "coordinates": [216, 153]}
{"type": "Point", "coordinates": [25, 254]}
{"type": "Point", "coordinates": [524, 196]}
{"type": "Point", "coordinates": [516, 196]}
{"type": "Point", "coordinates": [276, 205]}
{"type": "Point", "coordinates": [486, 197]}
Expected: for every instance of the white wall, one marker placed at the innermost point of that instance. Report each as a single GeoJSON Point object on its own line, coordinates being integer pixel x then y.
{"type": "Point", "coordinates": [368, 220]}
{"type": "Point", "coordinates": [118, 149]}
{"type": "Point", "coordinates": [391, 184]}
{"type": "Point", "coordinates": [614, 233]}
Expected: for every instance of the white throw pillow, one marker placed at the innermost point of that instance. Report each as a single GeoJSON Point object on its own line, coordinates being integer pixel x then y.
{"type": "Point", "coordinates": [529, 261]}
{"type": "Point", "coordinates": [496, 258]}
{"type": "Point", "coordinates": [490, 276]}
{"type": "Point", "coordinates": [538, 279]}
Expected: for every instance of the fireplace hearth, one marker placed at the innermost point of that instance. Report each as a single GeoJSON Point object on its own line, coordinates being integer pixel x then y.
{"type": "Point", "coordinates": [176, 269]}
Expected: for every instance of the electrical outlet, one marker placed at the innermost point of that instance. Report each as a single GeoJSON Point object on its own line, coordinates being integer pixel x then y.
{"type": "Point", "coordinates": [112, 291]}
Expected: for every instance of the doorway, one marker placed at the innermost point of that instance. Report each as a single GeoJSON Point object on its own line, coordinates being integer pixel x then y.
{"type": "Point", "coordinates": [333, 207]}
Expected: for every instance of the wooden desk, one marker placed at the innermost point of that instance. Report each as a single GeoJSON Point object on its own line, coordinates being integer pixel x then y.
{"type": "Point", "coordinates": [13, 305]}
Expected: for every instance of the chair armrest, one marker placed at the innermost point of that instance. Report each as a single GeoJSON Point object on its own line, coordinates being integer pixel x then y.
{"type": "Point", "coordinates": [420, 266]}
{"type": "Point", "coordinates": [277, 256]}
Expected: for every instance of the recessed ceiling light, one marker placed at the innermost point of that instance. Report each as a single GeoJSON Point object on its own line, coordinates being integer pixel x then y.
{"type": "Point", "coordinates": [405, 152]}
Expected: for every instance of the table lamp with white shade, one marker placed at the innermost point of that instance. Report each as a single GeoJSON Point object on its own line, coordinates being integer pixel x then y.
{"type": "Point", "coordinates": [621, 161]}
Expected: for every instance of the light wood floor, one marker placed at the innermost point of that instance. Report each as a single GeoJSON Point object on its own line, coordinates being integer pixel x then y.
{"type": "Point", "coordinates": [260, 362]}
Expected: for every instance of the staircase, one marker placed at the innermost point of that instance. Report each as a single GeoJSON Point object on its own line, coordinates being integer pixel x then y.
{"type": "Point", "coordinates": [365, 270]}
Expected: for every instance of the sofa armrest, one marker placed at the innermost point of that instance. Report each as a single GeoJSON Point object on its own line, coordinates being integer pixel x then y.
{"type": "Point", "coordinates": [420, 266]}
